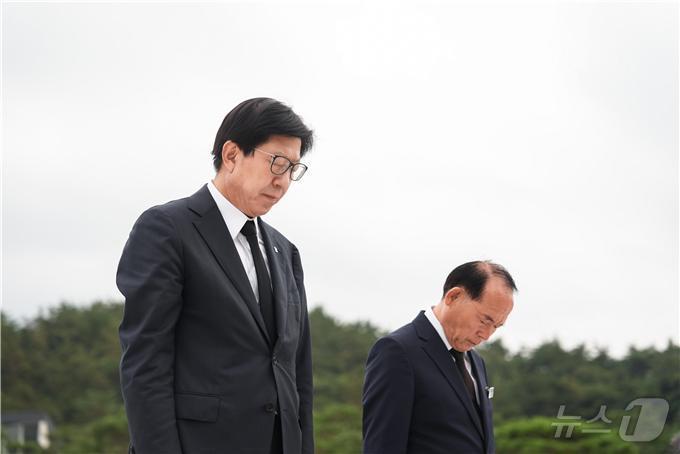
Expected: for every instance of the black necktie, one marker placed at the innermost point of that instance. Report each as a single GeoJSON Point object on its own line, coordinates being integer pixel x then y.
{"type": "Point", "coordinates": [264, 287]}
{"type": "Point", "coordinates": [460, 364]}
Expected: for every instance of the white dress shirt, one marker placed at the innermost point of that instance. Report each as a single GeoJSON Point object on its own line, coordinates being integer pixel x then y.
{"type": "Point", "coordinates": [429, 313]}
{"type": "Point", "coordinates": [235, 221]}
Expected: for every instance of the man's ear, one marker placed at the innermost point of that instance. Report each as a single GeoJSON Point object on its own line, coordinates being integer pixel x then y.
{"type": "Point", "coordinates": [230, 152]}
{"type": "Point", "coordinates": [453, 295]}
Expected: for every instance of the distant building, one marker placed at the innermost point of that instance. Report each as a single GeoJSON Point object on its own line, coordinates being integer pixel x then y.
{"type": "Point", "coordinates": [21, 427]}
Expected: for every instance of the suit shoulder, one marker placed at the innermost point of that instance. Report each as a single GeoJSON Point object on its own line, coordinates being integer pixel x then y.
{"type": "Point", "coordinates": [390, 354]}
{"type": "Point", "coordinates": [404, 335]}
{"type": "Point", "coordinates": [401, 339]}
{"type": "Point", "coordinates": [171, 212]}
{"type": "Point", "coordinates": [172, 208]}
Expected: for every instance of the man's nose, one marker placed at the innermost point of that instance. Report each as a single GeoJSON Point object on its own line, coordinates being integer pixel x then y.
{"type": "Point", "coordinates": [282, 180]}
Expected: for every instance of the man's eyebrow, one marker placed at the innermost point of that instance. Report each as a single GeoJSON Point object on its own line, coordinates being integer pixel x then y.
{"type": "Point", "coordinates": [294, 161]}
{"type": "Point", "coordinates": [281, 152]}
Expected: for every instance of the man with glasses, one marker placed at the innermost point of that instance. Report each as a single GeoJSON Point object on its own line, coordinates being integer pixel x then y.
{"type": "Point", "coordinates": [426, 389]}
{"type": "Point", "coordinates": [215, 334]}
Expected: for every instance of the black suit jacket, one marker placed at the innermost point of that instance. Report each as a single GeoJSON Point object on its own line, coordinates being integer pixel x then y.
{"type": "Point", "coordinates": [197, 372]}
{"type": "Point", "coordinates": [415, 400]}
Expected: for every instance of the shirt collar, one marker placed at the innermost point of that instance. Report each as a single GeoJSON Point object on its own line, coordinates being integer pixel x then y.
{"type": "Point", "coordinates": [429, 313]}
{"type": "Point", "coordinates": [233, 217]}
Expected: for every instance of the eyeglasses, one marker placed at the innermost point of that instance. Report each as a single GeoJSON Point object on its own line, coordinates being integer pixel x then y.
{"type": "Point", "coordinates": [281, 165]}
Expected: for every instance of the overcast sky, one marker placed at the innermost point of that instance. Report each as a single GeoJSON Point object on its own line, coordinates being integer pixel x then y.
{"type": "Point", "coordinates": [543, 136]}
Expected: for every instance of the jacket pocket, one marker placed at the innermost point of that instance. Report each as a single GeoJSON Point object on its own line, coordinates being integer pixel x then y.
{"type": "Point", "coordinates": [197, 407]}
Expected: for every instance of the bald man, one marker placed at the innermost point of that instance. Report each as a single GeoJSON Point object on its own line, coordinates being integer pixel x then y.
{"type": "Point", "coordinates": [426, 389]}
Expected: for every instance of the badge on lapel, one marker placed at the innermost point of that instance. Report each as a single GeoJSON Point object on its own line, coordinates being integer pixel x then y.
{"type": "Point", "coordinates": [489, 391]}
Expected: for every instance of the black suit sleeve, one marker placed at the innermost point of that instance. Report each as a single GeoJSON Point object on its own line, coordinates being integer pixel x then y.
{"type": "Point", "coordinates": [387, 399]}
{"type": "Point", "coordinates": [150, 277]}
{"type": "Point", "coordinates": [303, 363]}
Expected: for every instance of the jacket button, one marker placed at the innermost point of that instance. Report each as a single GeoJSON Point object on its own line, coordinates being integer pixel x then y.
{"type": "Point", "coordinates": [269, 408]}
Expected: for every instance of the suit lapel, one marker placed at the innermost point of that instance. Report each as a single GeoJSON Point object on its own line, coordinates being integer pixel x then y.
{"type": "Point", "coordinates": [276, 267]}
{"type": "Point", "coordinates": [482, 384]}
{"type": "Point", "coordinates": [214, 232]}
{"type": "Point", "coordinates": [436, 350]}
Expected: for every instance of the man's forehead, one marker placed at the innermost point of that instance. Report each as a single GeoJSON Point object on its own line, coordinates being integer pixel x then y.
{"type": "Point", "coordinates": [497, 298]}
{"type": "Point", "coordinates": [283, 146]}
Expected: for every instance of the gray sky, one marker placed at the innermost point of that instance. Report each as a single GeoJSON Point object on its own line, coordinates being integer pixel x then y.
{"type": "Point", "coordinates": [543, 136]}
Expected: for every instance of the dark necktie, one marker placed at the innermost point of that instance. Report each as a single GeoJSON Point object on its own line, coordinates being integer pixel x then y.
{"type": "Point", "coordinates": [460, 364]}
{"type": "Point", "coordinates": [264, 287]}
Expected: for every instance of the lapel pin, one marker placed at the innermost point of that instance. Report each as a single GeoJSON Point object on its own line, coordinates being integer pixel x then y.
{"type": "Point", "coordinates": [276, 250]}
{"type": "Point", "coordinates": [489, 391]}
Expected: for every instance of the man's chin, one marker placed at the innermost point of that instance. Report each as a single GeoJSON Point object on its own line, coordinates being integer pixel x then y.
{"type": "Point", "coordinates": [466, 345]}
{"type": "Point", "coordinates": [261, 211]}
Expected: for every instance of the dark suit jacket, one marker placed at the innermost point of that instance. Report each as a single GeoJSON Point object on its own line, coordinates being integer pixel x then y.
{"type": "Point", "coordinates": [415, 400]}
{"type": "Point", "coordinates": [197, 372]}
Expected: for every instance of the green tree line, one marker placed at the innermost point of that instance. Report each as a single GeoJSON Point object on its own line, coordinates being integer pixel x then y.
{"type": "Point", "coordinates": [65, 362]}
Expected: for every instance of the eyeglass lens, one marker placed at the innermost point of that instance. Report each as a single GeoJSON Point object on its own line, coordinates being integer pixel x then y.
{"type": "Point", "coordinates": [280, 165]}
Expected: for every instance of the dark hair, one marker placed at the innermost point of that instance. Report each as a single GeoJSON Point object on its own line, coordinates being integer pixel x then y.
{"type": "Point", "coordinates": [252, 122]}
{"type": "Point", "coordinates": [472, 276]}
